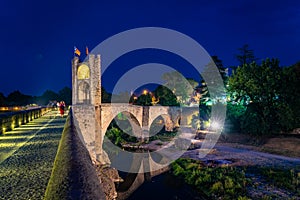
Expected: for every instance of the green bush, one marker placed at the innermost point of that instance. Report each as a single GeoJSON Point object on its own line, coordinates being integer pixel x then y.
{"type": "Point", "coordinates": [225, 182]}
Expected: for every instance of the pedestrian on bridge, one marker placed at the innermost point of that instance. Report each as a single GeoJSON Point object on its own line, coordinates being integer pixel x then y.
{"type": "Point", "coordinates": [62, 106]}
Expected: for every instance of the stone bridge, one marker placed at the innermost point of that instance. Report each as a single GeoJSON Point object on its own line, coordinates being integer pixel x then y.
{"type": "Point", "coordinates": [92, 117]}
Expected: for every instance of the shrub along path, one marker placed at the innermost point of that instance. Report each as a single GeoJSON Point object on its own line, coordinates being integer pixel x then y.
{"type": "Point", "coordinates": [27, 155]}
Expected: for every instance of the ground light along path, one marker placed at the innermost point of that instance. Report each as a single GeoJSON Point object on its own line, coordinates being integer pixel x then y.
{"type": "Point", "coordinates": [27, 155]}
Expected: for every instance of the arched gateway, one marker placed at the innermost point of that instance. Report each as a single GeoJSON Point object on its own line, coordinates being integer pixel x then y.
{"type": "Point", "coordinates": [92, 117]}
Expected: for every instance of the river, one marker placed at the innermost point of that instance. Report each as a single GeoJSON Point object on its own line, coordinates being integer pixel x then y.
{"type": "Point", "coordinates": [165, 186]}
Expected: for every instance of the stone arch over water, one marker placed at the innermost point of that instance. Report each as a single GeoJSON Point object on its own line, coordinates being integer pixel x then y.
{"type": "Point", "coordinates": [125, 116]}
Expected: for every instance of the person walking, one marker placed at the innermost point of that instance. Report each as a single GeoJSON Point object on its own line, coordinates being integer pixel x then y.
{"type": "Point", "coordinates": [62, 108]}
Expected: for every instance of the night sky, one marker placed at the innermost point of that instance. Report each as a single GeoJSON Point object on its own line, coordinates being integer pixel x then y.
{"type": "Point", "coordinates": [37, 37]}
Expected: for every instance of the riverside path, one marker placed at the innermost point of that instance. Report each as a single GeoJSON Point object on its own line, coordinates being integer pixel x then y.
{"type": "Point", "coordinates": [27, 155]}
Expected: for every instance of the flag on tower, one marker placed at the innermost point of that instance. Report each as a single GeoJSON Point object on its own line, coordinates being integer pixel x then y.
{"type": "Point", "coordinates": [87, 50]}
{"type": "Point", "coordinates": [76, 51]}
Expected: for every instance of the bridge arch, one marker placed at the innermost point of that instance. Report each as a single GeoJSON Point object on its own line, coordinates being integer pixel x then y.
{"type": "Point", "coordinates": [159, 123]}
{"type": "Point", "coordinates": [171, 116]}
{"type": "Point", "coordinates": [133, 114]}
{"type": "Point", "coordinates": [123, 116]}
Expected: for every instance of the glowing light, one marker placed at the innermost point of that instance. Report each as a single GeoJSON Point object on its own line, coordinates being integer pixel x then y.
{"type": "Point", "coordinates": [215, 125]}
{"type": "Point", "coordinates": [145, 92]}
{"type": "Point", "coordinates": [83, 72]}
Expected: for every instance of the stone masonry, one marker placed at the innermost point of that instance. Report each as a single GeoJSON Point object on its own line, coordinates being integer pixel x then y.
{"type": "Point", "coordinates": [92, 118]}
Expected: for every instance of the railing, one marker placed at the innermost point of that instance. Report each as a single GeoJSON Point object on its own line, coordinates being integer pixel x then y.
{"type": "Point", "coordinates": [11, 120]}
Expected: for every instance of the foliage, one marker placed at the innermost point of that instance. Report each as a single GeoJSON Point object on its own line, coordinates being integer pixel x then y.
{"type": "Point", "coordinates": [105, 96]}
{"type": "Point", "coordinates": [47, 96]}
{"type": "Point", "coordinates": [166, 96]}
{"type": "Point", "coordinates": [283, 178]}
{"type": "Point", "coordinates": [2, 99]}
{"type": "Point", "coordinates": [163, 135]}
{"type": "Point", "coordinates": [260, 89]}
{"type": "Point", "coordinates": [182, 87]}
{"type": "Point", "coordinates": [65, 95]}
{"type": "Point", "coordinates": [117, 136]}
{"type": "Point", "coordinates": [144, 100]}
{"type": "Point", "coordinates": [246, 55]}
{"type": "Point", "coordinates": [225, 182]}
{"type": "Point", "coordinates": [16, 98]}
{"type": "Point", "coordinates": [234, 113]}
{"type": "Point", "coordinates": [211, 72]}
{"type": "Point", "coordinates": [290, 92]}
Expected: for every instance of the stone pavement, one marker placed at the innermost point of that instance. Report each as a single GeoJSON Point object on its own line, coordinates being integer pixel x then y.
{"type": "Point", "coordinates": [27, 155]}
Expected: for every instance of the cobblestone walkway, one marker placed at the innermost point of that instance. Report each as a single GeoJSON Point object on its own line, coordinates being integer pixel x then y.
{"type": "Point", "coordinates": [26, 157]}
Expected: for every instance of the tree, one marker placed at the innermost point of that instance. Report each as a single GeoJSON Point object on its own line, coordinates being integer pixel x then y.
{"type": "Point", "coordinates": [246, 55]}
{"type": "Point", "coordinates": [16, 98]}
{"type": "Point", "coordinates": [2, 99]}
{"type": "Point", "coordinates": [65, 95]}
{"type": "Point", "coordinates": [221, 68]}
{"type": "Point", "coordinates": [211, 75]}
{"type": "Point", "coordinates": [105, 96]}
{"type": "Point", "coordinates": [290, 92]}
{"type": "Point", "coordinates": [216, 88]}
{"type": "Point", "coordinates": [204, 107]}
{"type": "Point", "coordinates": [258, 87]}
{"type": "Point", "coordinates": [182, 87]}
{"type": "Point", "coordinates": [47, 96]}
{"type": "Point", "coordinates": [144, 99]}
{"type": "Point", "coordinates": [165, 96]}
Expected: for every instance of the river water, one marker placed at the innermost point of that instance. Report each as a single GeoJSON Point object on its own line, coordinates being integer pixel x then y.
{"type": "Point", "coordinates": [165, 186]}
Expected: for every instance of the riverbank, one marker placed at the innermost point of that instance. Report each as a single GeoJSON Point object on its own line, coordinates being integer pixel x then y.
{"type": "Point", "coordinates": [271, 176]}
{"type": "Point", "coordinates": [286, 145]}
{"type": "Point", "coordinates": [271, 165]}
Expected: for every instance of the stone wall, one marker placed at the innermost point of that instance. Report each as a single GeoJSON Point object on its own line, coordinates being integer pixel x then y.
{"type": "Point", "coordinates": [84, 121]}
{"type": "Point", "coordinates": [11, 120]}
{"type": "Point", "coordinates": [73, 175]}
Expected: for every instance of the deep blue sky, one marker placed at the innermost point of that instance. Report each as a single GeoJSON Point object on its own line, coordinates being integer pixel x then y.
{"type": "Point", "coordinates": [37, 37]}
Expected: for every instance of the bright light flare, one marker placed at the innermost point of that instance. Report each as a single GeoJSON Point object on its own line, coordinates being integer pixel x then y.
{"type": "Point", "coordinates": [215, 125]}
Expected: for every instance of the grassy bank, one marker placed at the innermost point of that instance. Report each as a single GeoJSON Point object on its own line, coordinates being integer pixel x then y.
{"type": "Point", "coordinates": [255, 182]}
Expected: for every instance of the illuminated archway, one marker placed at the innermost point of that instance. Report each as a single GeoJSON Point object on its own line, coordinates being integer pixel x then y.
{"type": "Point", "coordinates": [83, 72]}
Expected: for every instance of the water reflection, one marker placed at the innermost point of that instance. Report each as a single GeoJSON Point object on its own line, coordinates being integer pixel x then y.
{"type": "Point", "coordinates": [163, 186]}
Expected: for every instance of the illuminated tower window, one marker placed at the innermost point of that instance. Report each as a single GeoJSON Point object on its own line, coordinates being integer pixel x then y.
{"type": "Point", "coordinates": [83, 72]}
{"type": "Point", "coordinates": [83, 76]}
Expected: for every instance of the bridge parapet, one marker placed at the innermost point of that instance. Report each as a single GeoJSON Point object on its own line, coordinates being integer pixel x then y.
{"type": "Point", "coordinates": [73, 175]}
{"type": "Point", "coordinates": [11, 120]}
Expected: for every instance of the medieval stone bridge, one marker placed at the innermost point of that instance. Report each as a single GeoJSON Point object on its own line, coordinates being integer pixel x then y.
{"type": "Point", "coordinates": [93, 117]}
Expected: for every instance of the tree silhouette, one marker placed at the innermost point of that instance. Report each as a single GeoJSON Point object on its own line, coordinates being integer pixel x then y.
{"type": "Point", "coordinates": [246, 55]}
